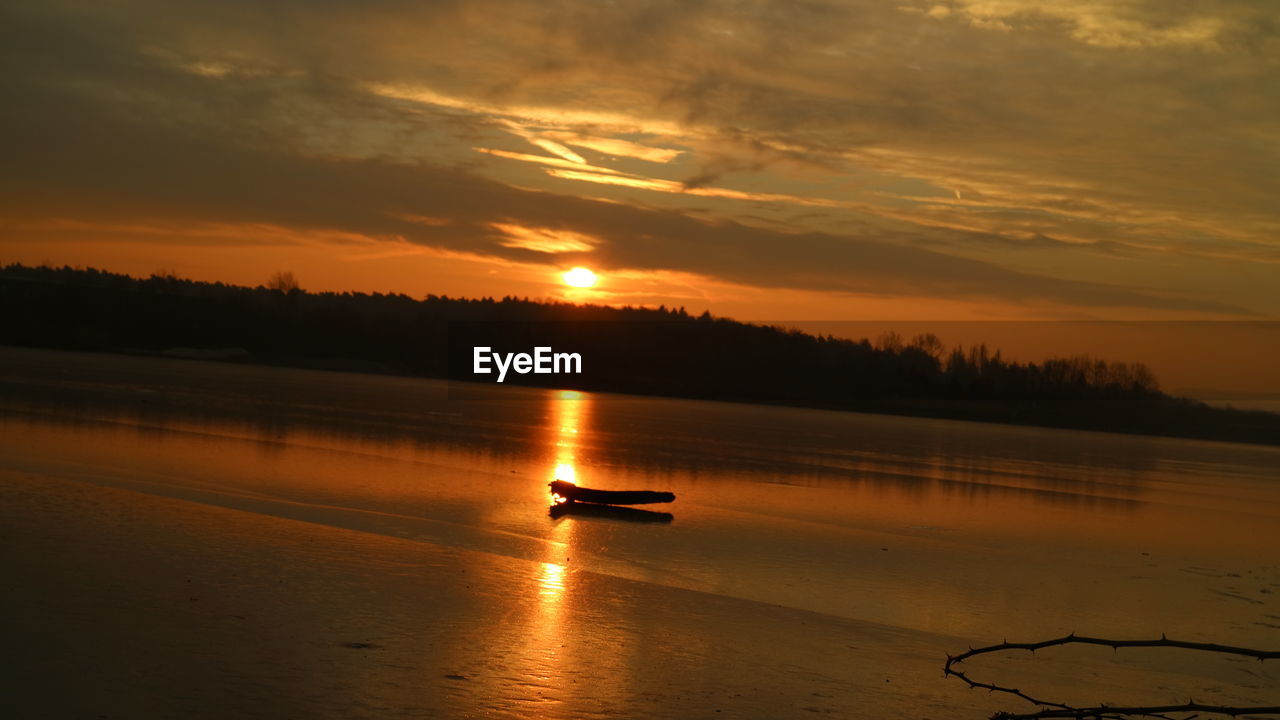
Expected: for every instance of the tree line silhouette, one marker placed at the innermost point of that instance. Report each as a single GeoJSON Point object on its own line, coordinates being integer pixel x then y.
{"type": "Point", "coordinates": [658, 351]}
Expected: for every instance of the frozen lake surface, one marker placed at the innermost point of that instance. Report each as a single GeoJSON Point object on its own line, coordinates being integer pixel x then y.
{"type": "Point", "coordinates": [212, 540]}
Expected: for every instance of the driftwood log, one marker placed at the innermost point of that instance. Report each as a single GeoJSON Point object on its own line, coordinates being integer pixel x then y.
{"type": "Point", "coordinates": [573, 493]}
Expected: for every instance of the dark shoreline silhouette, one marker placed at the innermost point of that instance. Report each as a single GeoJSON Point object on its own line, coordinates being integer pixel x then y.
{"type": "Point", "coordinates": [630, 350]}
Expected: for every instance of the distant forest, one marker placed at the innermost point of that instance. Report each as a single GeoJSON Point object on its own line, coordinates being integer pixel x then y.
{"type": "Point", "coordinates": [659, 351]}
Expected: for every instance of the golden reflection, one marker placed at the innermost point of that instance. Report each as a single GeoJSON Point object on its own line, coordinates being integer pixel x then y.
{"type": "Point", "coordinates": [551, 581]}
{"type": "Point", "coordinates": [566, 432]}
{"type": "Point", "coordinates": [549, 653]}
{"type": "Point", "coordinates": [569, 409]}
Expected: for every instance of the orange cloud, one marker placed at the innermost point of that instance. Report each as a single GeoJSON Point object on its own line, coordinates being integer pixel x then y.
{"type": "Point", "coordinates": [556, 148]}
{"type": "Point", "coordinates": [544, 240]}
{"type": "Point", "coordinates": [671, 186]}
{"type": "Point", "coordinates": [544, 160]}
{"type": "Point", "coordinates": [612, 146]}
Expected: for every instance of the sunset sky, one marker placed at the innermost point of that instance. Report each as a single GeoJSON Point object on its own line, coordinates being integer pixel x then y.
{"type": "Point", "coordinates": [949, 159]}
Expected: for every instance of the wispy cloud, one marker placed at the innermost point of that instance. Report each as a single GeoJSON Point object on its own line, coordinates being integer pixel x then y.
{"type": "Point", "coordinates": [547, 115]}
{"type": "Point", "coordinates": [1105, 23]}
{"type": "Point", "coordinates": [544, 160]}
{"type": "Point", "coordinates": [671, 186]}
{"type": "Point", "coordinates": [543, 239]}
{"type": "Point", "coordinates": [614, 146]}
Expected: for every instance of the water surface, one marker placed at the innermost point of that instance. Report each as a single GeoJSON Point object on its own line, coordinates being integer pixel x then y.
{"type": "Point", "coordinates": [819, 539]}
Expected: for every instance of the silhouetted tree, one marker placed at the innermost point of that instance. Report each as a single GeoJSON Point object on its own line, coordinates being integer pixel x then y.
{"type": "Point", "coordinates": [283, 281]}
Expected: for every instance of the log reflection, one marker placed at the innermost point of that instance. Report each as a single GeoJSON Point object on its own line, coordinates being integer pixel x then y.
{"type": "Point", "coordinates": [609, 512]}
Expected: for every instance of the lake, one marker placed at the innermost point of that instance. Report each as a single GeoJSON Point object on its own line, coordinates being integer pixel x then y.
{"type": "Point", "coordinates": [213, 540]}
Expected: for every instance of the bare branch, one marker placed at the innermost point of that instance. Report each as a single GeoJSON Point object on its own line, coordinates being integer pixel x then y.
{"type": "Point", "coordinates": [1104, 712]}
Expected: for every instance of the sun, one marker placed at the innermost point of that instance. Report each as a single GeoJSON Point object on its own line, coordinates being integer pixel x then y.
{"type": "Point", "coordinates": [579, 277]}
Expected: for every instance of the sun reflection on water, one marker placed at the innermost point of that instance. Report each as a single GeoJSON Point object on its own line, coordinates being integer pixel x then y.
{"type": "Point", "coordinates": [551, 581]}
{"type": "Point", "coordinates": [565, 471]}
{"type": "Point", "coordinates": [567, 432]}
{"type": "Point", "coordinates": [550, 656]}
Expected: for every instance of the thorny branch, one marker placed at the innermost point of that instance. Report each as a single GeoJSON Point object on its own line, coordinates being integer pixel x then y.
{"type": "Point", "coordinates": [1104, 712]}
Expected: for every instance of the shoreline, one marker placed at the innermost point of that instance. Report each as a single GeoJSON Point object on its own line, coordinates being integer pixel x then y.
{"type": "Point", "coordinates": [339, 367]}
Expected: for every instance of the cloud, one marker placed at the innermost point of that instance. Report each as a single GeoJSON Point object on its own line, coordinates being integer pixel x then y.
{"type": "Point", "coordinates": [1109, 23]}
{"type": "Point", "coordinates": [670, 186]}
{"type": "Point", "coordinates": [1079, 133]}
{"type": "Point", "coordinates": [543, 240]}
{"type": "Point", "coordinates": [544, 160]}
{"type": "Point", "coordinates": [614, 146]}
{"type": "Point", "coordinates": [71, 146]}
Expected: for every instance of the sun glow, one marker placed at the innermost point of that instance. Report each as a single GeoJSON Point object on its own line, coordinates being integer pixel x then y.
{"type": "Point", "coordinates": [579, 277]}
